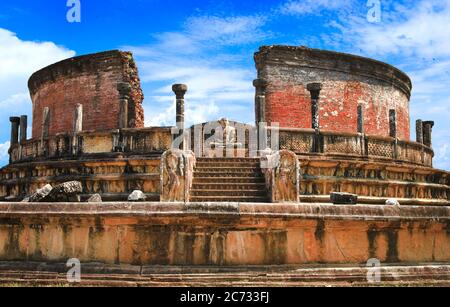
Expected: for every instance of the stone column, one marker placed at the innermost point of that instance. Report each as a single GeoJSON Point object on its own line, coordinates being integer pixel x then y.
{"type": "Point", "coordinates": [260, 112]}
{"type": "Point", "coordinates": [23, 128]}
{"type": "Point", "coordinates": [427, 132]}
{"type": "Point", "coordinates": [78, 119]}
{"type": "Point", "coordinates": [45, 128]}
{"type": "Point", "coordinates": [15, 122]}
{"type": "Point", "coordinates": [260, 100]}
{"type": "Point", "coordinates": [314, 89]}
{"type": "Point", "coordinates": [77, 127]}
{"type": "Point", "coordinates": [360, 119]}
{"type": "Point", "coordinates": [180, 90]}
{"type": "Point", "coordinates": [123, 113]}
{"type": "Point", "coordinates": [419, 131]}
{"type": "Point", "coordinates": [45, 122]}
{"type": "Point", "coordinates": [392, 124]}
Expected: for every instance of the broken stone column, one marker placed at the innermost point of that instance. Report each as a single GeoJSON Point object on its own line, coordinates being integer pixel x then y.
{"type": "Point", "coordinates": [23, 128]}
{"type": "Point", "coordinates": [427, 132]}
{"type": "Point", "coordinates": [419, 131]}
{"type": "Point", "coordinates": [180, 90]}
{"type": "Point", "coordinates": [15, 122]}
{"type": "Point", "coordinates": [314, 89]}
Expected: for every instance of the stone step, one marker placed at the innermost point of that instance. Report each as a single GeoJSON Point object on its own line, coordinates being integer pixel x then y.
{"type": "Point", "coordinates": [227, 164]}
{"type": "Point", "coordinates": [213, 174]}
{"type": "Point", "coordinates": [237, 193]}
{"type": "Point", "coordinates": [240, 199]}
{"type": "Point", "coordinates": [228, 180]}
{"type": "Point", "coordinates": [239, 169]}
{"type": "Point", "coordinates": [235, 186]}
{"type": "Point", "coordinates": [224, 160]}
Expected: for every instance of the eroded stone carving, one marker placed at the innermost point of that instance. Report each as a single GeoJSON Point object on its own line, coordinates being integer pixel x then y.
{"type": "Point", "coordinates": [282, 173]}
{"type": "Point", "coordinates": [177, 169]}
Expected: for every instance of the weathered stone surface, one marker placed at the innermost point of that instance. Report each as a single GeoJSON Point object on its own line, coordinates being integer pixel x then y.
{"type": "Point", "coordinates": [137, 196]}
{"type": "Point", "coordinates": [282, 173]}
{"type": "Point", "coordinates": [240, 234]}
{"type": "Point", "coordinates": [177, 169]}
{"type": "Point", "coordinates": [288, 70]}
{"type": "Point", "coordinates": [392, 202]}
{"type": "Point", "coordinates": [96, 198]}
{"type": "Point", "coordinates": [65, 192]}
{"type": "Point", "coordinates": [114, 76]}
{"type": "Point", "coordinates": [339, 198]}
{"type": "Point", "coordinates": [39, 194]}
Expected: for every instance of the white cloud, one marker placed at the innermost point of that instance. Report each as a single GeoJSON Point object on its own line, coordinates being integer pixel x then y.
{"type": "Point", "coordinates": [216, 79]}
{"type": "Point", "coordinates": [4, 150]}
{"type": "Point", "coordinates": [229, 30]}
{"type": "Point", "coordinates": [307, 7]}
{"type": "Point", "coordinates": [18, 60]}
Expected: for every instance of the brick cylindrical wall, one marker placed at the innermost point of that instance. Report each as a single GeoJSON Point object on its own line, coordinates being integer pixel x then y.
{"type": "Point", "coordinates": [98, 82]}
{"type": "Point", "coordinates": [347, 82]}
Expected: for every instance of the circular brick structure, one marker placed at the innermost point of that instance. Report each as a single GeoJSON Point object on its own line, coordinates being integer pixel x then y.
{"type": "Point", "coordinates": [354, 94]}
{"type": "Point", "coordinates": [106, 84]}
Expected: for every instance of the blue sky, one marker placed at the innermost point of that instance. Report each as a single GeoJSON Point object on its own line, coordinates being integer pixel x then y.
{"type": "Point", "coordinates": [209, 45]}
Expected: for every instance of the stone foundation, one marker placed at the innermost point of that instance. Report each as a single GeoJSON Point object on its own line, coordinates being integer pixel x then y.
{"type": "Point", "coordinates": [223, 234]}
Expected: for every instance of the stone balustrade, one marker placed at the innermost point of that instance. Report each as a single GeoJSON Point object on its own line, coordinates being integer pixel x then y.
{"type": "Point", "coordinates": [310, 141]}
{"type": "Point", "coordinates": [133, 141]}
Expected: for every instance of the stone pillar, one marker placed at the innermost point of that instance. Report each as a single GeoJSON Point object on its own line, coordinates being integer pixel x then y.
{"type": "Point", "coordinates": [180, 90]}
{"type": "Point", "coordinates": [392, 124]}
{"type": "Point", "coordinates": [260, 100]}
{"type": "Point", "coordinates": [123, 113]}
{"type": "Point", "coordinates": [78, 119]}
{"type": "Point", "coordinates": [77, 128]}
{"type": "Point", "coordinates": [15, 122]}
{"type": "Point", "coordinates": [45, 123]}
{"type": "Point", "coordinates": [23, 128]}
{"type": "Point", "coordinates": [419, 131]}
{"type": "Point", "coordinates": [427, 132]}
{"type": "Point", "coordinates": [314, 89]}
{"type": "Point", "coordinates": [360, 119]}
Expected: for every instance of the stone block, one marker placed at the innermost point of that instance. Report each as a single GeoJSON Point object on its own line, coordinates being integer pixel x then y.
{"type": "Point", "coordinates": [339, 198]}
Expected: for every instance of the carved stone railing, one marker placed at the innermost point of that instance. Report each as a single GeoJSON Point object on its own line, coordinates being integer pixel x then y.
{"type": "Point", "coordinates": [177, 174]}
{"type": "Point", "coordinates": [306, 141]}
{"type": "Point", "coordinates": [146, 140]}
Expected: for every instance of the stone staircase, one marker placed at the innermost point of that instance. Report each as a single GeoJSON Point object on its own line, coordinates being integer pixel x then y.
{"type": "Point", "coordinates": [228, 180]}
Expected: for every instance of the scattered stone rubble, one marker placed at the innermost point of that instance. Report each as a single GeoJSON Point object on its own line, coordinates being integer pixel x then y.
{"type": "Point", "coordinates": [137, 196]}
{"type": "Point", "coordinates": [96, 198]}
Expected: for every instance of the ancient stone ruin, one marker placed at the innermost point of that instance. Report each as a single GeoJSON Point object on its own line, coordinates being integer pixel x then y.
{"type": "Point", "coordinates": [327, 174]}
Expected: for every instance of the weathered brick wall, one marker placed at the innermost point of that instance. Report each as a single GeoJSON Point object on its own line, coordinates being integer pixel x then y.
{"type": "Point", "coordinates": [347, 81]}
{"type": "Point", "coordinates": [93, 81]}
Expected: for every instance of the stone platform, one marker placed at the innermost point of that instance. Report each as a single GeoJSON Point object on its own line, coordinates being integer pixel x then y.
{"type": "Point", "coordinates": [223, 234]}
